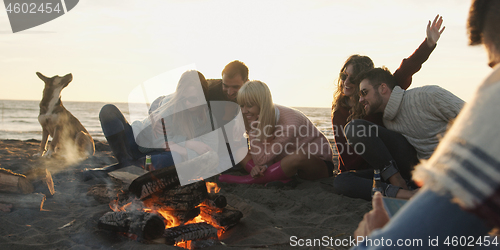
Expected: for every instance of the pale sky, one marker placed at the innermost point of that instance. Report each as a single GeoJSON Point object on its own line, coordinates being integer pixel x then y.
{"type": "Point", "coordinates": [296, 47]}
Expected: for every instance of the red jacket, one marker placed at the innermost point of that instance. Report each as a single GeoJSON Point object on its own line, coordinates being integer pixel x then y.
{"type": "Point", "coordinates": [348, 159]}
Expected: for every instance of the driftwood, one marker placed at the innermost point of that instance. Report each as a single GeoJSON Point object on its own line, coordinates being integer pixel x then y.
{"type": "Point", "coordinates": [14, 183]}
{"type": "Point", "coordinates": [196, 231]}
{"type": "Point", "coordinates": [34, 200]}
{"type": "Point", "coordinates": [41, 180]}
{"type": "Point", "coordinates": [145, 225]}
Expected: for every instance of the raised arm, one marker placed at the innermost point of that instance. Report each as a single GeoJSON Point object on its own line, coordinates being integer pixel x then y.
{"type": "Point", "coordinates": [411, 65]}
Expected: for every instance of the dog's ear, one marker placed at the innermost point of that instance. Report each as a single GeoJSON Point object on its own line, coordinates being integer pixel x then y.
{"type": "Point", "coordinates": [68, 77]}
{"type": "Point", "coordinates": [44, 78]}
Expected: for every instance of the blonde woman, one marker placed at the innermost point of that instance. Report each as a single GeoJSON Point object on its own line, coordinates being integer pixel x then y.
{"type": "Point", "coordinates": [283, 141]}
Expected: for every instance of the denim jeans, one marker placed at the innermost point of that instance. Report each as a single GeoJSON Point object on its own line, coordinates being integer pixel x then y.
{"type": "Point", "coordinates": [431, 218]}
{"type": "Point", "coordinates": [382, 146]}
{"type": "Point", "coordinates": [359, 185]}
{"type": "Point", "coordinates": [113, 122]}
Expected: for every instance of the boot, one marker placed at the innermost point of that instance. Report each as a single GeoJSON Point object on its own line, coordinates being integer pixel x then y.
{"type": "Point", "coordinates": [117, 144]}
{"type": "Point", "coordinates": [272, 173]}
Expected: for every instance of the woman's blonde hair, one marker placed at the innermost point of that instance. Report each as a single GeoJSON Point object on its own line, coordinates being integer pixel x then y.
{"type": "Point", "coordinates": [257, 93]}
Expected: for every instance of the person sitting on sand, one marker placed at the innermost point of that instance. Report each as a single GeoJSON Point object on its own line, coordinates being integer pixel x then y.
{"type": "Point", "coordinates": [413, 119]}
{"type": "Point", "coordinates": [283, 141]}
{"type": "Point", "coordinates": [355, 177]}
{"type": "Point", "coordinates": [460, 195]}
{"type": "Point", "coordinates": [185, 116]}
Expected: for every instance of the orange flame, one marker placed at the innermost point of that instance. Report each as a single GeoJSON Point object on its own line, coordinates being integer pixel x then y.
{"type": "Point", "coordinates": [212, 187]}
{"type": "Point", "coordinates": [152, 206]}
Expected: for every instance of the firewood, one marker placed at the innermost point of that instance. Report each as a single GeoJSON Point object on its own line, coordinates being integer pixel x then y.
{"type": "Point", "coordinates": [34, 200]}
{"type": "Point", "coordinates": [11, 182]}
{"type": "Point", "coordinates": [215, 201]}
{"type": "Point", "coordinates": [167, 178]}
{"type": "Point", "coordinates": [145, 225]}
{"type": "Point", "coordinates": [154, 181]}
{"type": "Point", "coordinates": [185, 216]}
{"type": "Point", "coordinates": [42, 181]}
{"type": "Point", "coordinates": [196, 231]}
{"type": "Point", "coordinates": [225, 218]}
{"type": "Point", "coordinates": [187, 189]}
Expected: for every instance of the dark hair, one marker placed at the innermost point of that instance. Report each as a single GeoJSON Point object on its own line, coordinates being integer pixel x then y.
{"type": "Point", "coordinates": [236, 68]}
{"type": "Point", "coordinates": [359, 64]}
{"type": "Point", "coordinates": [378, 76]}
{"type": "Point", "coordinates": [375, 76]}
{"type": "Point", "coordinates": [483, 24]}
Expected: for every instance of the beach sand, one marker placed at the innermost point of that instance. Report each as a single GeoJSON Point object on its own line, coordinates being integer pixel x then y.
{"type": "Point", "coordinates": [271, 216]}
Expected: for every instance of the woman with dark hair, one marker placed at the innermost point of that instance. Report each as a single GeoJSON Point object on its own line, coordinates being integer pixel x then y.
{"type": "Point", "coordinates": [170, 132]}
{"type": "Point", "coordinates": [355, 177]}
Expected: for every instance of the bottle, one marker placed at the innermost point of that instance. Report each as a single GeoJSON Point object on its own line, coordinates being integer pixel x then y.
{"type": "Point", "coordinates": [377, 183]}
{"type": "Point", "coordinates": [148, 165]}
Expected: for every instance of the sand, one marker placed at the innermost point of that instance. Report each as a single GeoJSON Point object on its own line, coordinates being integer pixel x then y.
{"type": "Point", "coordinates": [272, 217]}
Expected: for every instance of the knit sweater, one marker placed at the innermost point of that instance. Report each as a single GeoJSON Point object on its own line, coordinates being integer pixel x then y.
{"type": "Point", "coordinates": [294, 132]}
{"type": "Point", "coordinates": [348, 159]}
{"type": "Point", "coordinates": [421, 115]}
{"type": "Point", "coordinates": [467, 161]}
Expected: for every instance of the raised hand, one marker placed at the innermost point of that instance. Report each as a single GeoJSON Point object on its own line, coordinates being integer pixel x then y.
{"type": "Point", "coordinates": [434, 31]}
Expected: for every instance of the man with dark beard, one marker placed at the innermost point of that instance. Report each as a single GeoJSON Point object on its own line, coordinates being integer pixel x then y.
{"type": "Point", "coordinates": [413, 118]}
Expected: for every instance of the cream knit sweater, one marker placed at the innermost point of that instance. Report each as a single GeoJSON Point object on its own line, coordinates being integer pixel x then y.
{"type": "Point", "coordinates": [421, 115]}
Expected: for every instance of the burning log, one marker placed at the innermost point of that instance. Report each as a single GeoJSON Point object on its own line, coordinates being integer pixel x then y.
{"type": "Point", "coordinates": [42, 181]}
{"type": "Point", "coordinates": [215, 201]}
{"type": "Point", "coordinates": [167, 178]}
{"type": "Point", "coordinates": [225, 218]}
{"type": "Point", "coordinates": [23, 201]}
{"type": "Point", "coordinates": [185, 216]}
{"type": "Point", "coordinates": [183, 198]}
{"type": "Point", "coordinates": [154, 181]}
{"type": "Point", "coordinates": [187, 189]}
{"type": "Point", "coordinates": [14, 183]}
{"type": "Point", "coordinates": [145, 225]}
{"type": "Point", "coordinates": [196, 231]}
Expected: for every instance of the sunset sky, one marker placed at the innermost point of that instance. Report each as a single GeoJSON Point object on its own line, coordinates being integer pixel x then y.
{"type": "Point", "coordinates": [296, 47]}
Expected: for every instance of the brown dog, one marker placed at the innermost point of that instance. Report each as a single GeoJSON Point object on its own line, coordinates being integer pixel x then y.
{"type": "Point", "coordinates": [69, 138]}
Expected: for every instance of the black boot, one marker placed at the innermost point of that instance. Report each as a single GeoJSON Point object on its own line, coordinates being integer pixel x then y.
{"type": "Point", "coordinates": [117, 144]}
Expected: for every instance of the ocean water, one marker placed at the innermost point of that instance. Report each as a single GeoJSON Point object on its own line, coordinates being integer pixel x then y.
{"type": "Point", "coordinates": [19, 119]}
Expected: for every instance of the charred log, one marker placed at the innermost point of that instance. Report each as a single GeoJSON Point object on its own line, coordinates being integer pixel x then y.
{"type": "Point", "coordinates": [154, 181]}
{"type": "Point", "coordinates": [226, 218]}
{"type": "Point", "coordinates": [197, 231]}
{"type": "Point", "coordinates": [145, 225]}
{"type": "Point", "coordinates": [215, 201]}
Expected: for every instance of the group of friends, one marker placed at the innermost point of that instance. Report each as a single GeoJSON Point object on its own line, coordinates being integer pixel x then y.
{"type": "Point", "coordinates": [378, 123]}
